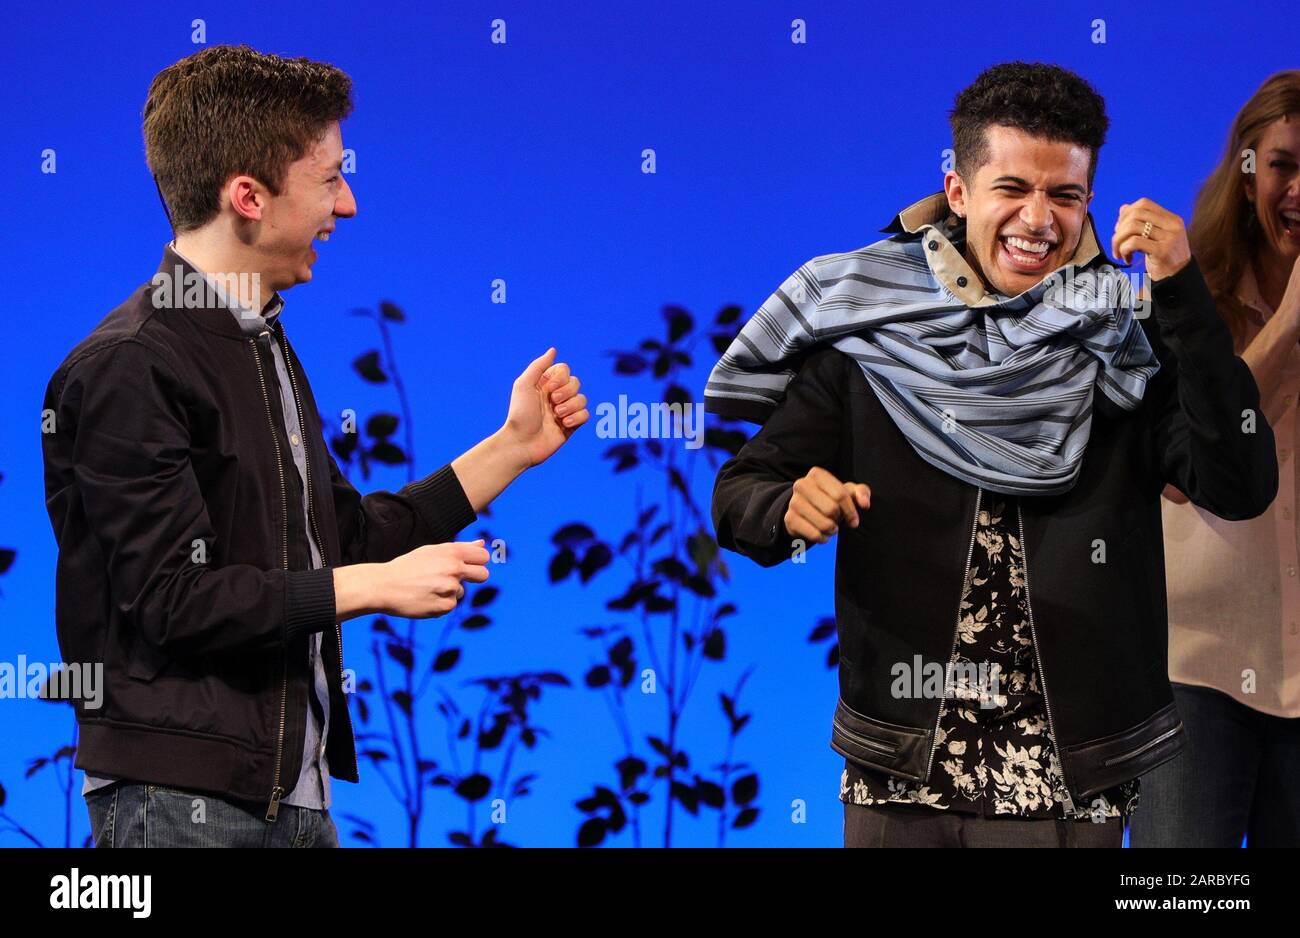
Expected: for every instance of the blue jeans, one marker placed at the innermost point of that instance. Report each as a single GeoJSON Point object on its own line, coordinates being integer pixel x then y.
{"type": "Point", "coordinates": [1237, 777]}
{"type": "Point", "coordinates": [129, 814]}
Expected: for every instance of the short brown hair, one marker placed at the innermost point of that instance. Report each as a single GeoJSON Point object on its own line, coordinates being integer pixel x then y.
{"type": "Point", "coordinates": [230, 110]}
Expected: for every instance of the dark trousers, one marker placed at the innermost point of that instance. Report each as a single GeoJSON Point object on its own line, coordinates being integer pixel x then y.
{"type": "Point", "coordinates": [909, 825]}
{"type": "Point", "coordinates": [134, 815]}
{"type": "Point", "coordinates": [1238, 776]}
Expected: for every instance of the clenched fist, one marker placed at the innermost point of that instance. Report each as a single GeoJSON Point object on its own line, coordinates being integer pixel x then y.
{"type": "Point", "coordinates": [1164, 243]}
{"type": "Point", "coordinates": [427, 582]}
{"type": "Point", "coordinates": [821, 502]}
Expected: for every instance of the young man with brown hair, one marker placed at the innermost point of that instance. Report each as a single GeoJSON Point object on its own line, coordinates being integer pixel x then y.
{"type": "Point", "coordinates": [209, 546]}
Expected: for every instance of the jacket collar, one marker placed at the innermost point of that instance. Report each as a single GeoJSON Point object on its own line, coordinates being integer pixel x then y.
{"type": "Point", "coordinates": [932, 215]}
{"type": "Point", "coordinates": [204, 301]}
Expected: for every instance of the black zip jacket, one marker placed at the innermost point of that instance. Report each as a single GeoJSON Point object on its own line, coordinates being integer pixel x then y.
{"type": "Point", "coordinates": [184, 566]}
{"type": "Point", "coordinates": [1100, 628]}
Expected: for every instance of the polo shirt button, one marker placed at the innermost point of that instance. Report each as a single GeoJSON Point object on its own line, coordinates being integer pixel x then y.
{"type": "Point", "coordinates": [961, 281]}
{"type": "Point", "coordinates": [294, 439]}
{"type": "Point", "coordinates": [1290, 571]}
{"type": "Point", "coordinates": [934, 245]}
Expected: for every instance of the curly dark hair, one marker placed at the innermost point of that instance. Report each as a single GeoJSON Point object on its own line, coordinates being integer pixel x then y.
{"type": "Point", "coordinates": [1040, 99]}
{"type": "Point", "coordinates": [229, 110]}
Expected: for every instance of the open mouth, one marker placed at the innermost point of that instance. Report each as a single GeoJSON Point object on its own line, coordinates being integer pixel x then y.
{"type": "Point", "coordinates": [1025, 254]}
{"type": "Point", "coordinates": [323, 235]}
{"type": "Point", "coordinates": [1290, 221]}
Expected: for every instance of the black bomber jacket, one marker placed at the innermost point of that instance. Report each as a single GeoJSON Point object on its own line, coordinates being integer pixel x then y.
{"type": "Point", "coordinates": [1099, 628]}
{"type": "Point", "coordinates": [184, 567]}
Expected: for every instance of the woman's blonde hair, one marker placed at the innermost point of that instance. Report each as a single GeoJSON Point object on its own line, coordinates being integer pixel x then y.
{"type": "Point", "coordinates": [1225, 232]}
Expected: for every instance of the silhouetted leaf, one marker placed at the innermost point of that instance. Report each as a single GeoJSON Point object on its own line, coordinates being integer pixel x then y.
{"type": "Point", "coordinates": [592, 832]}
{"type": "Point", "coordinates": [676, 394]}
{"type": "Point", "coordinates": [401, 654]}
{"type": "Point", "coordinates": [476, 621]}
{"type": "Point", "coordinates": [572, 534]}
{"type": "Point", "coordinates": [483, 596]}
{"type": "Point", "coordinates": [598, 676]}
{"type": "Point", "coordinates": [679, 322]}
{"type": "Point", "coordinates": [629, 364]}
{"type": "Point", "coordinates": [446, 660]}
{"type": "Point", "coordinates": [687, 796]}
{"type": "Point", "coordinates": [745, 789]}
{"type": "Point", "coordinates": [745, 818]}
{"type": "Point", "coordinates": [382, 425]}
{"type": "Point", "coordinates": [711, 794]}
{"type": "Point", "coordinates": [598, 557]}
{"type": "Point", "coordinates": [391, 311]}
{"type": "Point", "coordinates": [387, 453]}
{"type": "Point", "coordinates": [823, 630]}
{"type": "Point", "coordinates": [474, 787]}
{"type": "Point", "coordinates": [562, 565]}
{"type": "Point", "coordinates": [368, 367]}
{"type": "Point", "coordinates": [728, 314]}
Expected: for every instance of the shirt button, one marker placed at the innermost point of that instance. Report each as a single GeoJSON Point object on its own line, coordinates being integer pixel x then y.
{"type": "Point", "coordinates": [294, 439]}
{"type": "Point", "coordinates": [1290, 571]}
{"type": "Point", "coordinates": [934, 245]}
{"type": "Point", "coordinates": [961, 281]}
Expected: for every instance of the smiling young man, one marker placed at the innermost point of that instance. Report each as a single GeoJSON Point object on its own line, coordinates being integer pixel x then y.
{"type": "Point", "coordinates": [974, 408]}
{"type": "Point", "coordinates": [209, 546]}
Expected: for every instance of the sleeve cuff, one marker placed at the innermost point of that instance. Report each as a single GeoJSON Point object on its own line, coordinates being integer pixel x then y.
{"type": "Point", "coordinates": [1184, 296]}
{"type": "Point", "coordinates": [442, 503]}
{"type": "Point", "coordinates": [309, 604]}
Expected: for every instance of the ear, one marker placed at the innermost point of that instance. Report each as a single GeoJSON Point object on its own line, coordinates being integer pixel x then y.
{"type": "Point", "coordinates": [1250, 188]}
{"type": "Point", "coordinates": [247, 197]}
{"type": "Point", "coordinates": [955, 189]}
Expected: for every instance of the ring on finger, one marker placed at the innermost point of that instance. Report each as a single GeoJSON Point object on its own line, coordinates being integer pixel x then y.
{"type": "Point", "coordinates": [1146, 231]}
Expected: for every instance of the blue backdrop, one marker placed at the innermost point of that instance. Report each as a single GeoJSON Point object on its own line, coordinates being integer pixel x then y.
{"type": "Point", "coordinates": [523, 162]}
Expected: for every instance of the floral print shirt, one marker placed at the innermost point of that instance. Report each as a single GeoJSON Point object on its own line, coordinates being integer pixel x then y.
{"type": "Point", "coordinates": [995, 752]}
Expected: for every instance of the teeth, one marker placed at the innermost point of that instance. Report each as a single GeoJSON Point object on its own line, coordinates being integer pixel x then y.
{"type": "Point", "coordinates": [1031, 247]}
{"type": "Point", "coordinates": [323, 236]}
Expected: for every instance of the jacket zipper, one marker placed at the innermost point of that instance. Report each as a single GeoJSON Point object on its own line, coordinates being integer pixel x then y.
{"type": "Point", "coordinates": [956, 628]}
{"type": "Point", "coordinates": [311, 510]}
{"type": "Point", "coordinates": [277, 791]}
{"type": "Point", "coordinates": [1038, 658]}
